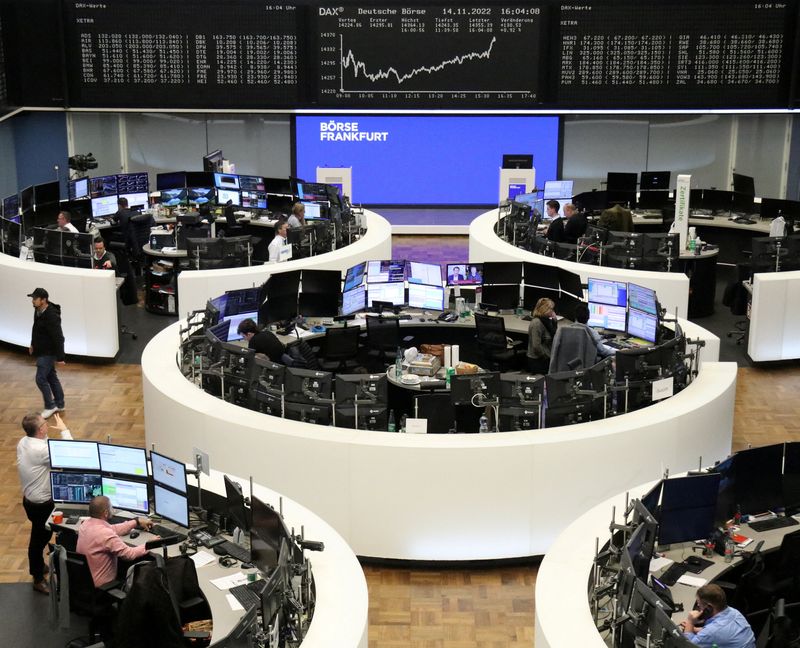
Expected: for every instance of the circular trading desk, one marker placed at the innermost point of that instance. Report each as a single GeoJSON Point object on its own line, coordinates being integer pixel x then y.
{"type": "Point", "coordinates": [198, 286]}
{"type": "Point", "coordinates": [88, 300]}
{"type": "Point", "coordinates": [442, 497]}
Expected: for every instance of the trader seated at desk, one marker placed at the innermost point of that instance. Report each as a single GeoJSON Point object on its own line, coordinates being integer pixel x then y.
{"type": "Point", "coordinates": [298, 215]}
{"type": "Point", "coordinates": [278, 242]}
{"type": "Point", "coordinates": [265, 342]}
{"type": "Point", "coordinates": [63, 221]}
{"type": "Point", "coordinates": [102, 259]}
{"type": "Point", "coordinates": [571, 346]}
{"type": "Point", "coordinates": [575, 224]}
{"type": "Point", "coordinates": [555, 231]}
{"type": "Point", "coordinates": [100, 541]}
{"type": "Point", "coordinates": [715, 623]}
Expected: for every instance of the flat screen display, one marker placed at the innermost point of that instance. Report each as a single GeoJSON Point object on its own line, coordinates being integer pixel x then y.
{"type": "Point", "coordinates": [386, 292]}
{"type": "Point", "coordinates": [313, 211]}
{"type": "Point", "coordinates": [354, 300]}
{"type": "Point", "coordinates": [126, 494]}
{"type": "Point", "coordinates": [464, 274]}
{"type": "Point", "coordinates": [642, 325]}
{"type": "Point", "coordinates": [403, 166]}
{"type": "Point", "coordinates": [604, 291]}
{"type": "Point", "coordinates": [225, 196]}
{"type": "Point", "coordinates": [123, 460]}
{"type": "Point", "coordinates": [168, 472]}
{"type": "Point", "coordinates": [386, 271]}
{"type": "Point", "coordinates": [642, 299]}
{"type": "Point", "coordinates": [355, 276]}
{"type": "Point", "coordinates": [611, 318]}
{"type": "Point", "coordinates": [78, 455]}
{"type": "Point", "coordinates": [251, 183]}
{"type": "Point", "coordinates": [226, 181]}
{"type": "Point", "coordinates": [75, 487]}
{"type": "Point", "coordinates": [136, 200]}
{"type": "Point", "coordinates": [429, 274]}
{"type": "Point", "coordinates": [555, 189]}
{"type": "Point", "coordinates": [78, 189]}
{"type": "Point", "coordinates": [173, 197]}
{"type": "Point", "coordinates": [104, 206]}
{"type": "Point", "coordinates": [171, 506]}
{"type": "Point", "coordinates": [103, 186]}
{"type": "Point", "coordinates": [428, 297]}
{"type": "Point", "coordinates": [200, 195]}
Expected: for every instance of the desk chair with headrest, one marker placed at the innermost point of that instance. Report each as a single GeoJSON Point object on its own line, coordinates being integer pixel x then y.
{"type": "Point", "coordinates": [491, 336]}
{"type": "Point", "coordinates": [138, 236]}
{"type": "Point", "coordinates": [340, 348]}
{"type": "Point", "coordinates": [573, 349]}
{"type": "Point", "coordinates": [383, 338]}
{"type": "Point", "coordinates": [782, 577]}
{"type": "Point", "coordinates": [128, 294]}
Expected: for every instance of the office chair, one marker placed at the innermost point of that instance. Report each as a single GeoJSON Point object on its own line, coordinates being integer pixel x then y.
{"type": "Point", "coordinates": [127, 291]}
{"type": "Point", "coordinates": [138, 236]}
{"type": "Point", "coordinates": [491, 336]}
{"type": "Point", "coordinates": [438, 409]}
{"type": "Point", "coordinates": [736, 298]}
{"type": "Point", "coordinates": [783, 578]}
{"type": "Point", "coordinates": [383, 339]}
{"type": "Point", "coordinates": [741, 595]}
{"type": "Point", "coordinates": [573, 349]}
{"type": "Point", "coordinates": [340, 348]}
{"type": "Point", "coordinates": [299, 239]}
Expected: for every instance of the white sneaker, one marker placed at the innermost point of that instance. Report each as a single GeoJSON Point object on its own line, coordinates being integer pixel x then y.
{"type": "Point", "coordinates": [60, 409]}
{"type": "Point", "coordinates": [47, 413]}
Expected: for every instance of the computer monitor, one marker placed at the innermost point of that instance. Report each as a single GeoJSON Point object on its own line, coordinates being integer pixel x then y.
{"type": "Point", "coordinates": [558, 189]}
{"type": "Point", "coordinates": [744, 184]}
{"type": "Point", "coordinates": [136, 201]}
{"type": "Point", "coordinates": [355, 276]}
{"type": "Point", "coordinates": [73, 455]}
{"type": "Point", "coordinates": [541, 275]}
{"type": "Point", "coordinates": [366, 417]}
{"type": "Point", "coordinates": [314, 211]}
{"type": "Point", "coordinates": [517, 160]}
{"type": "Point", "coordinates": [251, 183]}
{"type": "Point", "coordinates": [651, 499]}
{"type": "Point", "coordinates": [464, 388]}
{"type": "Point", "coordinates": [317, 304]}
{"type": "Point", "coordinates": [393, 293]}
{"type": "Point", "coordinates": [307, 385]}
{"type": "Point", "coordinates": [611, 318]}
{"type": "Point", "coordinates": [11, 206]}
{"type": "Point", "coordinates": [429, 274]}
{"type": "Point", "coordinates": [774, 207]}
{"type": "Point", "coordinates": [504, 297]}
{"type": "Point", "coordinates": [234, 302]}
{"type": "Point", "coordinates": [759, 479]}
{"type": "Point", "coordinates": [213, 161]}
{"type": "Point", "coordinates": [234, 321]}
{"type": "Point", "coordinates": [127, 494]}
{"type": "Point", "coordinates": [653, 200]}
{"type": "Point", "coordinates": [570, 282]}
{"type": "Point", "coordinates": [103, 186]}
{"type": "Point", "coordinates": [174, 197]}
{"type": "Point", "coordinates": [168, 472]}
{"type": "Point", "coordinates": [575, 396]}
{"type": "Point", "coordinates": [426, 297]}
{"type": "Point", "coordinates": [200, 195]}
{"type": "Point", "coordinates": [606, 291]}
{"type": "Point", "coordinates": [172, 180]}
{"type": "Point", "coordinates": [104, 206]}
{"type": "Point", "coordinates": [226, 181]}
{"type": "Point", "coordinates": [464, 274]}
{"type": "Point", "coordinates": [642, 299]}
{"type": "Point", "coordinates": [354, 300]}
{"type": "Point", "coordinates": [253, 199]}
{"type": "Point", "coordinates": [386, 271]}
{"type": "Point", "coordinates": [267, 530]}
{"type": "Point", "coordinates": [321, 281]}
{"type": "Point", "coordinates": [531, 296]}
{"type": "Point", "coordinates": [312, 191]}
{"type": "Point", "coordinates": [232, 196]}
{"type": "Point", "coordinates": [281, 186]}
{"type": "Point", "coordinates": [502, 272]}
{"type": "Point", "coordinates": [642, 325]}
{"type": "Point", "coordinates": [75, 487]}
{"type": "Point", "coordinates": [652, 180]}
{"type": "Point", "coordinates": [171, 505]}
{"type": "Point", "coordinates": [688, 506]}
{"type": "Point", "coordinates": [78, 189]}
{"type": "Point", "coordinates": [639, 548]}
{"type": "Point", "coordinates": [521, 389]}
{"type": "Point", "coordinates": [616, 181]}
{"type": "Point", "coordinates": [237, 509]}
{"type": "Point", "coordinates": [308, 413]}
{"type": "Point", "coordinates": [123, 460]}
{"type": "Point", "coordinates": [366, 388]}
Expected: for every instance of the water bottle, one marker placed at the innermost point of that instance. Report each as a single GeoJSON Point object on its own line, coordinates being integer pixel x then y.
{"type": "Point", "coordinates": [403, 423]}
{"type": "Point", "coordinates": [391, 426]}
{"type": "Point", "coordinates": [398, 363]}
{"type": "Point", "coordinates": [729, 547]}
{"type": "Point", "coordinates": [483, 424]}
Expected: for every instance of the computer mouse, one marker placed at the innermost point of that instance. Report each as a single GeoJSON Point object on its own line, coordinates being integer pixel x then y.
{"type": "Point", "coordinates": [133, 534]}
{"type": "Point", "coordinates": [695, 561]}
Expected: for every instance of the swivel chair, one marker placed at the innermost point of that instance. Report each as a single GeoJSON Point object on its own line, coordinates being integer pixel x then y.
{"type": "Point", "coordinates": [128, 294]}
{"type": "Point", "coordinates": [138, 236]}
{"type": "Point", "coordinates": [782, 579]}
{"type": "Point", "coordinates": [383, 339]}
{"type": "Point", "coordinates": [491, 336]}
{"type": "Point", "coordinates": [438, 409]}
{"type": "Point", "coordinates": [341, 348]}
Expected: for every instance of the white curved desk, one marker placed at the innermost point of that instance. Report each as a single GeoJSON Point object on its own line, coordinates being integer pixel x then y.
{"type": "Point", "coordinates": [88, 300]}
{"type": "Point", "coordinates": [198, 286]}
{"type": "Point", "coordinates": [341, 589]}
{"type": "Point", "coordinates": [774, 314]}
{"type": "Point", "coordinates": [484, 245]}
{"type": "Point", "coordinates": [441, 497]}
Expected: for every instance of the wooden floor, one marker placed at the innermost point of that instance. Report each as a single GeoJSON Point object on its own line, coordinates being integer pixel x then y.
{"type": "Point", "coordinates": [487, 608]}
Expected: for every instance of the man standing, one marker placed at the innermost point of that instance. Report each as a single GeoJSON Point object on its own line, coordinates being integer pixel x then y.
{"type": "Point", "coordinates": [100, 541]}
{"type": "Point", "coordinates": [716, 624]}
{"type": "Point", "coordinates": [47, 346]}
{"type": "Point", "coordinates": [33, 465]}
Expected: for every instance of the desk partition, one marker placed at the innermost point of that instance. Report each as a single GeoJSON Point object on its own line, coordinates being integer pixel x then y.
{"type": "Point", "coordinates": [88, 300]}
{"type": "Point", "coordinates": [775, 317]}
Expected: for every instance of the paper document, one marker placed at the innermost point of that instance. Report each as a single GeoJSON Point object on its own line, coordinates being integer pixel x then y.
{"type": "Point", "coordinates": [235, 605]}
{"type": "Point", "coordinates": [692, 581]}
{"type": "Point", "coordinates": [202, 558]}
{"type": "Point", "coordinates": [232, 580]}
{"type": "Point", "coordinates": [660, 563]}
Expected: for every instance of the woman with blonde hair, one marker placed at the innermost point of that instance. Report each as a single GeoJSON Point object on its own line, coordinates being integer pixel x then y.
{"type": "Point", "coordinates": [541, 332]}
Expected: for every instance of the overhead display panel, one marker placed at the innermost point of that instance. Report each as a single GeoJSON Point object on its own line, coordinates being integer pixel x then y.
{"type": "Point", "coordinates": [666, 54]}
{"type": "Point", "coordinates": [451, 55]}
{"type": "Point", "coordinates": [187, 54]}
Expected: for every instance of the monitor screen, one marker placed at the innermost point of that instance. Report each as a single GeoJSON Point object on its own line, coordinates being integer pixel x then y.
{"type": "Point", "coordinates": [234, 302]}
{"type": "Point", "coordinates": [105, 206]}
{"type": "Point", "coordinates": [429, 274]}
{"type": "Point", "coordinates": [314, 191]}
{"type": "Point", "coordinates": [642, 299]}
{"type": "Point", "coordinates": [174, 180]}
{"type": "Point", "coordinates": [78, 189]}
{"type": "Point", "coordinates": [355, 276]}
{"type": "Point", "coordinates": [605, 291]}
{"type": "Point", "coordinates": [266, 531]}
{"type": "Point", "coordinates": [226, 181]}
{"type": "Point", "coordinates": [123, 460]}
{"type": "Point", "coordinates": [421, 296]}
{"type": "Point", "coordinates": [127, 494]}
{"type": "Point", "coordinates": [688, 505]}
{"type": "Point", "coordinates": [254, 199]}
{"type": "Point", "coordinates": [11, 206]}
{"type": "Point", "coordinates": [213, 161]}
{"type": "Point", "coordinates": [280, 186]}
{"type": "Point", "coordinates": [555, 189]}
{"type": "Point", "coordinates": [233, 324]}
{"type": "Point", "coordinates": [136, 200]}
{"type": "Point", "coordinates": [616, 181]}
{"type": "Point", "coordinates": [237, 510]}
{"type": "Point", "coordinates": [538, 274]}
{"type": "Point", "coordinates": [171, 506]}
{"type": "Point", "coordinates": [642, 325]}
{"type": "Point", "coordinates": [504, 297]}
{"type": "Point", "coordinates": [321, 281]}
{"type": "Point", "coordinates": [502, 272]}
{"type": "Point", "coordinates": [200, 195]}
{"type": "Point", "coordinates": [168, 472]}
{"type": "Point", "coordinates": [173, 197]}
{"type": "Point", "coordinates": [744, 184]}
{"type": "Point", "coordinates": [386, 292]}
{"type": "Point", "coordinates": [654, 180]}
{"type": "Point", "coordinates": [224, 196]}
{"type": "Point", "coordinates": [651, 499]}
{"type": "Point", "coordinates": [464, 274]}
{"type": "Point", "coordinates": [75, 487]}
{"type": "Point", "coordinates": [759, 478]}
{"type": "Point", "coordinates": [79, 455]}
{"type": "Point", "coordinates": [354, 300]}
{"type": "Point", "coordinates": [313, 211]}
{"type": "Point", "coordinates": [251, 183]}
{"type": "Point", "coordinates": [103, 186]}
{"type": "Point", "coordinates": [386, 271]}
{"type": "Point", "coordinates": [26, 199]}
{"type": "Point", "coordinates": [608, 317]}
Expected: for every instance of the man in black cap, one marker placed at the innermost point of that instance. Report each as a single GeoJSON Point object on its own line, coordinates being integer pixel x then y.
{"type": "Point", "coordinates": [47, 346]}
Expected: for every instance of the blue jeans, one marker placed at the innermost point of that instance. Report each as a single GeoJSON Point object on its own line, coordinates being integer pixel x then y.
{"type": "Point", "coordinates": [48, 383]}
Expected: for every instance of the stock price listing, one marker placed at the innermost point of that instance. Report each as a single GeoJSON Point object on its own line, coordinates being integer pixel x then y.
{"type": "Point", "coordinates": [430, 55]}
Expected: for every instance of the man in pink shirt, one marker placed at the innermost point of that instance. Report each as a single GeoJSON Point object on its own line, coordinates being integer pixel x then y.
{"type": "Point", "coordinates": [100, 541]}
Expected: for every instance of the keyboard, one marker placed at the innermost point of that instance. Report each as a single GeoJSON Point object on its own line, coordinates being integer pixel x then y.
{"type": "Point", "coordinates": [702, 216]}
{"type": "Point", "coordinates": [228, 548]}
{"type": "Point", "coordinates": [773, 523]}
{"type": "Point", "coordinates": [166, 532]}
{"type": "Point", "coordinates": [248, 595]}
{"type": "Point", "coordinates": [673, 573]}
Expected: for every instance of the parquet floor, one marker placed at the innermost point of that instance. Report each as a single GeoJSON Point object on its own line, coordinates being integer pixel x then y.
{"type": "Point", "coordinates": [409, 608]}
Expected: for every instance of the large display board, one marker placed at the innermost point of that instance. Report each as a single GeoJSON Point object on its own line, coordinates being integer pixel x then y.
{"type": "Point", "coordinates": [544, 55]}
